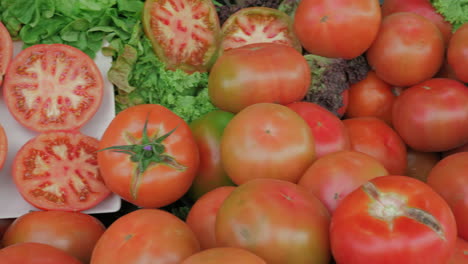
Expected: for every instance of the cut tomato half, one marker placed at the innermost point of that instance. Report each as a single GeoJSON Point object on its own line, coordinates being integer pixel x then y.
{"type": "Point", "coordinates": [3, 146]}
{"type": "Point", "coordinates": [59, 171]}
{"type": "Point", "coordinates": [53, 87]}
{"type": "Point", "coordinates": [6, 50]}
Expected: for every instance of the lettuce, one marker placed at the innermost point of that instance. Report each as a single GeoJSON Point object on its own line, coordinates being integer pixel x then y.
{"type": "Point", "coordinates": [454, 11]}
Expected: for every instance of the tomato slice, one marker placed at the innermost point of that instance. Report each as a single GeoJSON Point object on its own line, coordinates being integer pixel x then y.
{"type": "Point", "coordinates": [53, 87]}
{"type": "Point", "coordinates": [59, 171]}
{"type": "Point", "coordinates": [6, 50]}
{"type": "Point", "coordinates": [3, 146]}
{"type": "Point", "coordinates": [184, 33]}
{"type": "Point", "coordinates": [256, 25]}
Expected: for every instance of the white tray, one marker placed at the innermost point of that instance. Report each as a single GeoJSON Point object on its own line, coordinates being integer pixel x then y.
{"type": "Point", "coordinates": [12, 204]}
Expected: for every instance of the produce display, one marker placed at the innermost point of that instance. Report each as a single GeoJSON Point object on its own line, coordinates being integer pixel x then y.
{"type": "Point", "coordinates": [243, 131]}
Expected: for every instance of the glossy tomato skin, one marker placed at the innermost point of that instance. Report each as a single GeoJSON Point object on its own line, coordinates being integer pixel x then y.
{"type": "Point", "coordinates": [267, 141]}
{"type": "Point", "coordinates": [207, 131]}
{"type": "Point", "coordinates": [258, 73]}
{"type": "Point", "coordinates": [449, 178]}
{"type": "Point", "coordinates": [202, 215]}
{"type": "Point", "coordinates": [160, 184]}
{"type": "Point", "coordinates": [432, 116]}
{"type": "Point", "coordinates": [6, 50]}
{"type": "Point", "coordinates": [74, 233]}
{"type": "Point", "coordinates": [337, 28]}
{"type": "Point", "coordinates": [225, 255]}
{"type": "Point", "coordinates": [329, 133]}
{"type": "Point", "coordinates": [421, 163]}
{"type": "Point", "coordinates": [364, 230]}
{"type": "Point", "coordinates": [461, 252]}
{"type": "Point", "coordinates": [3, 146]}
{"type": "Point", "coordinates": [409, 49]}
{"type": "Point", "coordinates": [374, 137]}
{"type": "Point", "coordinates": [277, 220]}
{"type": "Point", "coordinates": [35, 253]}
{"type": "Point", "coordinates": [143, 236]}
{"type": "Point", "coordinates": [457, 53]}
{"type": "Point", "coordinates": [333, 176]}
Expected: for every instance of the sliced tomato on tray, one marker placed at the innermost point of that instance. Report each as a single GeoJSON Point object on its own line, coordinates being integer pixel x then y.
{"type": "Point", "coordinates": [6, 50]}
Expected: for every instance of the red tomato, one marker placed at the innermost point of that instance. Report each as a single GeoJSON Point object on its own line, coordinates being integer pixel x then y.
{"type": "Point", "coordinates": [4, 224]}
{"type": "Point", "coordinates": [151, 168]}
{"type": "Point", "coordinates": [461, 252]}
{"type": "Point", "coordinates": [53, 87]}
{"type": "Point", "coordinates": [446, 71]}
{"type": "Point", "coordinates": [277, 220]}
{"type": "Point", "coordinates": [449, 177]}
{"type": "Point", "coordinates": [335, 175]}
{"type": "Point", "coordinates": [6, 50]}
{"type": "Point", "coordinates": [409, 49]}
{"type": "Point", "coordinates": [59, 171]}
{"type": "Point", "coordinates": [393, 219]}
{"type": "Point", "coordinates": [3, 146]}
{"type": "Point", "coordinates": [146, 236]}
{"type": "Point", "coordinates": [35, 253]}
{"type": "Point", "coordinates": [457, 53]}
{"type": "Point", "coordinates": [433, 115]}
{"type": "Point", "coordinates": [371, 97]}
{"type": "Point", "coordinates": [374, 137]}
{"type": "Point", "coordinates": [329, 133]}
{"type": "Point", "coordinates": [224, 255]}
{"type": "Point", "coordinates": [258, 73]}
{"type": "Point", "coordinates": [267, 141]}
{"type": "Point", "coordinates": [420, 7]}
{"type": "Point", "coordinates": [202, 216]}
{"type": "Point", "coordinates": [420, 163]}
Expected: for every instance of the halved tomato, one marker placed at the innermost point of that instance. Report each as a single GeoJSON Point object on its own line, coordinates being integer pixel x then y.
{"type": "Point", "coordinates": [3, 146]}
{"type": "Point", "coordinates": [59, 171]}
{"type": "Point", "coordinates": [6, 50]}
{"type": "Point", "coordinates": [184, 34]}
{"type": "Point", "coordinates": [53, 87]}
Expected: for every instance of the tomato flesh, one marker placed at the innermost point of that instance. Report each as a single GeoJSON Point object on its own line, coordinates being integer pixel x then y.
{"type": "Point", "coordinates": [3, 146]}
{"type": "Point", "coordinates": [6, 50]}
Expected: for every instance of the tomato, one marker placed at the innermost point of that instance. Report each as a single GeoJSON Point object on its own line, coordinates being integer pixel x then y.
{"type": "Point", "coordinates": [446, 71]}
{"type": "Point", "coordinates": [35, 253]}
{"type": "Point", "coordinates": [329, 133]}
{"type": "Point", "coordinates": [53, 87]}
{"type": "Point", "coordinates": [461, 252]}
{"type": "Point", "coordinates": [267, 141]}
{"type": "Point", "coordinates": [202, 216]}
{"type": "Point", "coordinates": [432, 116]}
{"type": "Point", "coordinates": [333, 176]}
{"type": "Point", "coordinates": [59, 171]}
{"type": "Point", "coordinates": [6, 50]}
{"type": "Point", "coordinates": [225, 255]}
{"type": "Point", "coordinates": [277, 220]}
{"type": "Point", "coordinates": [420, 7]}
{"type": "Point", "coordinates": [337, 28]}
{"type": "Point", "coordinates": [146, 236]}
{"type": "Point", "coordinates": [409, 49]}
{"type": "Point", "coordinates": [74, 233]}
{"type": "Point", "coordinates": [4, 224]}
{"type": "Point", "coordinates": [258, 73]}
{"type": "Point", "coordinates": [393, 219]}
{"type": "Point", "coordinates": [148, 156]}
{"type": "Point", "coordinates": [374, 137]}
{"type": "Point", "coordinates": [420, 163]}
{"type": "Point", "coordinates": [3, 146]}
{"type": "Point", "coordinates": [257, 25]}
{"type": "Point", "coordinates": [449, 178]}
{"type": "Point", "coordinates": [207, 131]}
{"type": "Point", "coordinates": [371, 97]}
{"type": "Point", "coordinates": [457, 53]}
{"type": "Point", "coordinates": [184, 34]}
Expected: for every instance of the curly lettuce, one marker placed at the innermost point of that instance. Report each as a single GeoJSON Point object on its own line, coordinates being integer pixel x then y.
{"type": "Point", "coordinates": [454, 11]}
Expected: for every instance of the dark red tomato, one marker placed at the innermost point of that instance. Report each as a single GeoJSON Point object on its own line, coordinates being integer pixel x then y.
{"type": "Point", "coordinates": [277, 220]}
{"type": "Point", "coordinates": [184, 34]}
{"type": "Point", "coordinates": [409, 49]}
{"type": "Point", "coordinates": [337, 28]}
{"type": "Point", "coordinates": [449, 178]}
{"type": "Point", "coordinates": [207, 131]}
{"type": "Point", "coordinates": [342, 110]}
{"type": "Point", "coordinates": [35, 253]}
{"type": "Point", "coordinates": [258, 73]}
{"type": "Point", "coordinates": [335, 175]}
{"type": "Point", "coordinates": [53, 87]}
{"type": "Point", "coordinates": [461, 252]}
{"type": "Point", "coordinates": [420, 7]}
{"type": "Point", "coordinates": [202, 216]}
{"type": "Point", "coordinates": [374, 137]}
{"type": "Point", "coordinates": [3, 146]}
{"type": "Point", "coordinates": [457, 53]}
{"type": "Point", "coordinates": [59, 171]}
{"type": "Point", "coordinates": [224, 255]}
{"type": "Point", "coordinates": [432, 116]}
{"type": "Point", "coordinates": [146, 236]}
{"type": "Point", "coordinates": [256, 25]}
{"type": "Point", "coordinates": [462, 148]}
{"type": "Point", "coordinates": [6, 50]}
{"type": "Point", "coordinates": [74, 233]}
{"type": "Point", "coordinates": [446, 71]}
{"type": "Point", "coordinates": [393, 219]}
{"type": "Point", "coordinates": [151, 157]}
{"type": "Point", "coordinates": [371, 97]}
{"type": "Point", "coordinates": [420, 163]}
{"type": "Point", "coordinates": [329, 133]}
{"type": "Point", "coordinates": [267, 141]}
